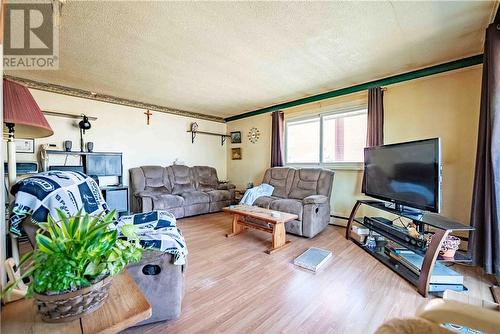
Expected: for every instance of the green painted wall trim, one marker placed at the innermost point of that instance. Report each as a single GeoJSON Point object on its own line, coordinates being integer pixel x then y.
{"type": "Point", "coordinates": [450, 66]}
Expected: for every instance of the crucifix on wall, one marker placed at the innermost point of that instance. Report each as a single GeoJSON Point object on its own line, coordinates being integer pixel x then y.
{"type": "Point", "coordinates": [148, 114]}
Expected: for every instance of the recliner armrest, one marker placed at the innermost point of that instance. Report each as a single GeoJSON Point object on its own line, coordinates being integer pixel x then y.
{"type": "Point", "coordinates": [225, 186]}
{"type": "Point", "coordinates": [315, 199]}
{"type": "Point", "coordinates": [145, 193]}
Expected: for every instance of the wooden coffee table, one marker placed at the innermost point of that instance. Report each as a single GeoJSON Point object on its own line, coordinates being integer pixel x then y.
{"type": "Point", "coordinates": [276, 219]}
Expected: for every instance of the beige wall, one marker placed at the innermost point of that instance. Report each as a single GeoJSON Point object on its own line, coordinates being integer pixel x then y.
{"type": "Point", "coordinates": [255, 157]}
{"type": "Point", "coordinates": [123, 129]}
{"type": "Point", "coordinates": [444, 105]}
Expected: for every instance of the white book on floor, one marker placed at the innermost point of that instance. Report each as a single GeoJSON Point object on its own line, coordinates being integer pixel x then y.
{"type": "Point", "coordinates": [313, 258]}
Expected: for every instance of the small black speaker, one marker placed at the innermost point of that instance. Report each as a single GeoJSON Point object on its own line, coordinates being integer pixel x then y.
{"type": "Point", "coordinates": [67, 145]}
{"type": "Point", "coordinates": [90, 146]}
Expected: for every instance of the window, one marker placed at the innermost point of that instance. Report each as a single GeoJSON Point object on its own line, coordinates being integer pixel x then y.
{"type": "Point", "coordinates": [344, 137]}
{"type": "Point", "coordinates": [329, 138]}
{"type": "Point", "coordinates": [301, 145]}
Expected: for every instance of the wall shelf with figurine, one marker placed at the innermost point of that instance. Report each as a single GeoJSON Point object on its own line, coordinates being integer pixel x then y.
{"type": "Point", "coordinates": [194, 131]}
{"type": "Point", "coordinates": [399, 246]}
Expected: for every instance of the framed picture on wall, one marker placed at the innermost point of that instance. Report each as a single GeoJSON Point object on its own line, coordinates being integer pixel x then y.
{"type": "Point", "coordinates": [236, 137]}
{"type": "Point", "coordinates": [236, 153]}
{"type": "Point", "coordinates": [25, 145]}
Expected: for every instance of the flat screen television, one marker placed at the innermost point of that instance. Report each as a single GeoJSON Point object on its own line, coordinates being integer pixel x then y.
{"type": "Point", "coordinates": [408, 174]}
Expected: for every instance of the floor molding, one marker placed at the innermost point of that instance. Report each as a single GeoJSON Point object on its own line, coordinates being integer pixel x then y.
{"type": "Point", "coordinates": [85, 94]}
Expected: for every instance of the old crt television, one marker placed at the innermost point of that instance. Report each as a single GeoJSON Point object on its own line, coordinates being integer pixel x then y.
{"type": "Point", "coordinates": [407, 174]}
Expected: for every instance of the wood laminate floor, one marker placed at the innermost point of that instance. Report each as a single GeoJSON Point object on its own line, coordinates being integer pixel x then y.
{"type": "Point", "coordinates": [234, 287]}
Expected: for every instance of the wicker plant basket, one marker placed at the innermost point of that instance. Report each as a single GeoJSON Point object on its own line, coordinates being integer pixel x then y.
{"type": "Point", "coordinates": [75, 304]}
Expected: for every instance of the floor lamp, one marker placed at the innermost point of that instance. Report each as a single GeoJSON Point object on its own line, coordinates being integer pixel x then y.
{"type": "Point", "coordinates": [22, 117]}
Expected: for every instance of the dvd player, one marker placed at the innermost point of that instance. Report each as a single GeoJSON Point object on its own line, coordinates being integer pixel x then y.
{"type": "Point", "coordinates": [386, 225]}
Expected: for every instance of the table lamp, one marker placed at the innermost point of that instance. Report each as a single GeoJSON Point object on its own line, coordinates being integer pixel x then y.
{"type": "Point", "coordinates": [83, 125]}
{"type": "Point", "coordinates": [22, 117]}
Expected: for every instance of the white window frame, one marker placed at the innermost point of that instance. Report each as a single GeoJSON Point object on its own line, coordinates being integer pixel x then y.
{"type": "Point", "coordinates": [338, 112]}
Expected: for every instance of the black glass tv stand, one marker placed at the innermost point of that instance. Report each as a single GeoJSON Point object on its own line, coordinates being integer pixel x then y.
{"type": "Point", "coordinates": [442, 227]}
{"type": "Point", "coordinates": [401, 208]}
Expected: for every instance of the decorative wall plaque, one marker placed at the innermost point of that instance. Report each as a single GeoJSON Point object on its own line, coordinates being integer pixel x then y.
{"type": "Point", "coordinates": [253, 135]}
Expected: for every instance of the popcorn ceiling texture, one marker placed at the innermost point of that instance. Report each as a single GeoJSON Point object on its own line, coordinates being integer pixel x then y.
{"type": "Point", "coordinates": [226, 58]}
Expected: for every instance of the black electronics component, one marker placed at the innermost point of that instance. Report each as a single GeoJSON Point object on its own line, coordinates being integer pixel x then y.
{"type": "Point", "coordinates": [23, 168]}
{"type": "Point", "coordinates": [407, 174]}
{"type": "Point", "coordinates": [67, 168]}
{"type": "Point", "coordinates": [387, 226]}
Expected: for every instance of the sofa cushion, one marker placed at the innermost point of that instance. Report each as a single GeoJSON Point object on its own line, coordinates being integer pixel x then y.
{"type": "Point", "coordinates": [153, 192]}
{"type": "Point", "coordinates": [195, 197]}
{"type": "Point", "coordinates": [180, 179]}
{"type": "Point", "coordinates": [219, 195]}
{"type": "Point", "coordinates": [205, 178]}
{"type": "Point", "coordinates": [196, 209]}
{"type": "Point", "coordinates": [167, 201]}
{"type": "Point", "coordinates": [281, 179]}
{"type": "Point", "coordinates": [304, 183]}
{"type": "Point", "coordinates": [288, 205]}
{"type": "Point", "coordinates": [155, 176]}
{"type": "Point", "coordinates": [264, 201]}
{"type": "Point", "coordinates": [149, 178]}
{"type": "Point", "coordinates": [311, 181]}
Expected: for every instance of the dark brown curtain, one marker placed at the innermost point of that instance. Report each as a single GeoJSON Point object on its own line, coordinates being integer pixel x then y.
{"type": "Point", "coordinates": [278, 139]}
{"type": "Point", "coordinates": [375, 129]}
{"type": "Point", "coordinates": [375, 121]}
{"type": "Point", "coordinates": [485, 214]}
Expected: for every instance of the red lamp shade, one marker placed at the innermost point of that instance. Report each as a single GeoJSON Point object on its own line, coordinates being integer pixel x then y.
{"type": "Point", "coordinates": [20, 109]}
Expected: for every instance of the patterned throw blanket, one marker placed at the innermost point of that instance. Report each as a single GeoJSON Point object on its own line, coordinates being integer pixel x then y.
{"type": "Point", "coordinates": [158, 230]}
{"type": "Point", "coordinates": [42, 194]}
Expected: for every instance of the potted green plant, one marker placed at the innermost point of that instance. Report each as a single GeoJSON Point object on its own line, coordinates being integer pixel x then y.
{"type": "Point", "coordinates": [73, 263]}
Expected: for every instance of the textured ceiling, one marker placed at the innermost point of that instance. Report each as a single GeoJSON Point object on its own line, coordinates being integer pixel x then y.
{"type": "Point", "coordinates": [226, 58]}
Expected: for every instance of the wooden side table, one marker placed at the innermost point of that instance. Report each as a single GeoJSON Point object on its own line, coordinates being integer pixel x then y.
{"type": "Point", "coordinates": [238, 194]}
{"type": "Point", "coordinates": [125, 306]}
